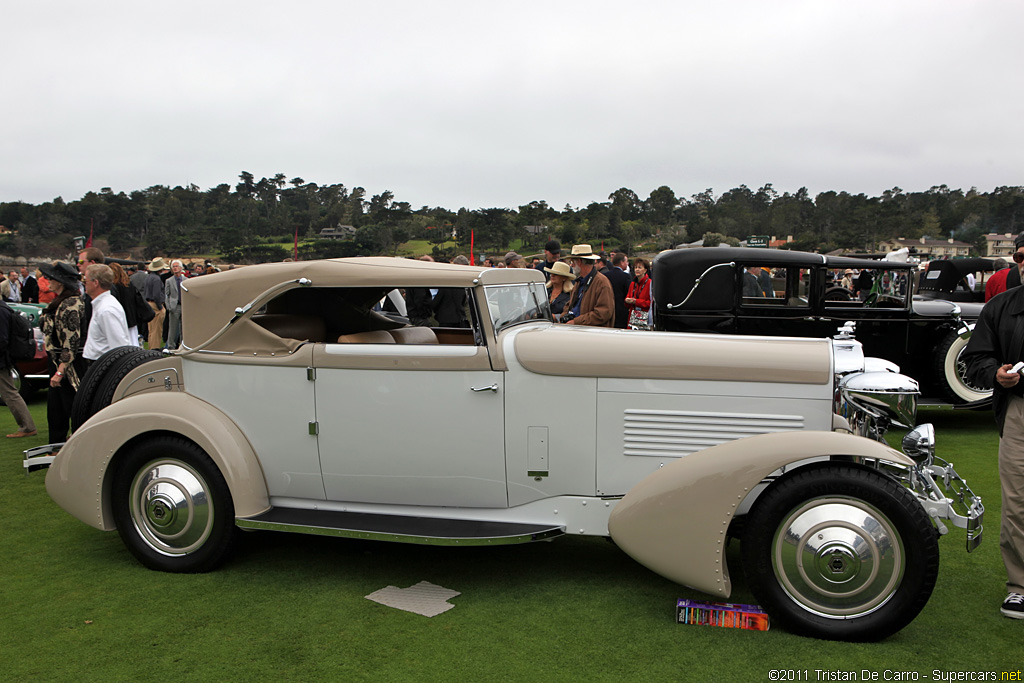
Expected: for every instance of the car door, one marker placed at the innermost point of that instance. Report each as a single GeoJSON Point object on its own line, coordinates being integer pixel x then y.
{"type": "Point", "coordinates": [270, 398]}
{"type": "Point", "coordinates": [785, 307]}
{"type": "Point", "coordinates": [883, 319]}
{"type": "Point", "coordinates": [410, 423]}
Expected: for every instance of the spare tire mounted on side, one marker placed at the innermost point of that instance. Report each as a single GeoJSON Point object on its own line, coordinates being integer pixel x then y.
{"type": "Point", "coordinates": [97, 388]}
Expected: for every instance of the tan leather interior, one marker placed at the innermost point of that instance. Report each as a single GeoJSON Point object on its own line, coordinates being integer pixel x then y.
{"type": "Point", "coordinates": [373, 337]}
{"type": "Point", "coordinates": [288, 326]}
{"type": "Point", "coordinates": [414, 335]}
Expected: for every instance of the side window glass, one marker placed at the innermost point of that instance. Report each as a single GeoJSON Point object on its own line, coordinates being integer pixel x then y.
{"type": "Point", "coordinates": [373, 315]}
{"type": "Point", "coordinates": [798, 287]}
{"type": "Point", "coordinates": [786, 287]}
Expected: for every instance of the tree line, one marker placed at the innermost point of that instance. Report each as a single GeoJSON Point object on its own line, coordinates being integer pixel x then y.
{"type": "Point", "coordinates": [257, 219]}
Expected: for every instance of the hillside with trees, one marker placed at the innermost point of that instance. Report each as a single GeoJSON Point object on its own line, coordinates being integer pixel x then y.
{"type": "Point", "coordinates": [256, 220]}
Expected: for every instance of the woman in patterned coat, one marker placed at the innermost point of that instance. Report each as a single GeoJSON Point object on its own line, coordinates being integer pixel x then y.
{"type": "Point", "coordinates": [61, 322]}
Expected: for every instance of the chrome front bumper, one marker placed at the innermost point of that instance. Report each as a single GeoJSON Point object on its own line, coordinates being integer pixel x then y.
{"type": "Point", "coordinates": [946, 496]}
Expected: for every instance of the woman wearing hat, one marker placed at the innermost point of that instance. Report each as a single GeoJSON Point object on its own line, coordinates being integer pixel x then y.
{"type": "Point", "coordinates": [638, 298]}
{"type": "Point", "coordinates": [61, 322]}
{"type": "Point", "coordinates": [559, 287]}
{"type": "Point", "coordinates": [847, 280]}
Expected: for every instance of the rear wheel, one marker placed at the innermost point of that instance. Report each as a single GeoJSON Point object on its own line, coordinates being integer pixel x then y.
{"type": "Point", "coordinates": [951, 372]}
{"type": "Point", "coordinates": [172, 506]}
{"type": "Point", "coordinates": [840, 552]}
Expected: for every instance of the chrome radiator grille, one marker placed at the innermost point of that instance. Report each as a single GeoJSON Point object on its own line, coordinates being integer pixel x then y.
{"type": "Point", "coordinates": [670, 433]}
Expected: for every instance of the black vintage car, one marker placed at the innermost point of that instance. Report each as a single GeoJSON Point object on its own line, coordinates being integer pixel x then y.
{"type": "Point", "coordinates": [789, 293]}
{"type": "Point", "coordinates": [947, 279]}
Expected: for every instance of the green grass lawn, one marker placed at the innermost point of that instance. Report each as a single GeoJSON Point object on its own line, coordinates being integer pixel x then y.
{"type": "Point", "coordinates": [76, 606]}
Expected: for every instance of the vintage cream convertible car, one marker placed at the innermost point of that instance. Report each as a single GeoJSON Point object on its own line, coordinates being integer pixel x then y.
{"type": "Point", "coordinates": [297, 404]}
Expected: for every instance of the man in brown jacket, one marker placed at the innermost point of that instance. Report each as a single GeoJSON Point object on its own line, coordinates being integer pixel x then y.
{"type": "Point", "coordinates": [592, 301]}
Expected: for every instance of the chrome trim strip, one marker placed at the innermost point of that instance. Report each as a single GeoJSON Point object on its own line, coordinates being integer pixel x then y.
{"type": "Point", "coordinates": [696, 283]}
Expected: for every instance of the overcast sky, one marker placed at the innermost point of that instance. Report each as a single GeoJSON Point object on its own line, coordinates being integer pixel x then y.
{"type": "Point", "coordinates": [482, 104]}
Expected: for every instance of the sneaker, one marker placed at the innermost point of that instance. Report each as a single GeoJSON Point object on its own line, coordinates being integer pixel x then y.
{"type": "Point", "coordinates": [1013, 606]}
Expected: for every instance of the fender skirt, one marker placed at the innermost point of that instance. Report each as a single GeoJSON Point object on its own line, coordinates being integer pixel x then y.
{"type": "Point", "coordinates": [675, 521]}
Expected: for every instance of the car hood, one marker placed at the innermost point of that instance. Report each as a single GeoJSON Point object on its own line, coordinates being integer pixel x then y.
{"type": "Point", "coordinates": [596, 352]}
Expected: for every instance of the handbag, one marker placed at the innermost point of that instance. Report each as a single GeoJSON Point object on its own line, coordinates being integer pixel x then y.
{"type": "Point", "coordinates": [638, 319]}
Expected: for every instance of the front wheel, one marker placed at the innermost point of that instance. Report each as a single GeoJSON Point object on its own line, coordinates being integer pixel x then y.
{"type": "Point", "coordinates": [840, 552]}
{"type": "Point", "coordinates": [172, 506]}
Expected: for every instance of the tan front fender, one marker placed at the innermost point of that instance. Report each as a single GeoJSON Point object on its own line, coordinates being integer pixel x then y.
{"type": "Point", "coordinates": [79, 479]}
{"type": "Point", "coordinates": [675, 520]}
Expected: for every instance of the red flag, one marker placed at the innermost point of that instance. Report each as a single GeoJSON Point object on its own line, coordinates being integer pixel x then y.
{"type": "Point", "coordinates": [88, 242]}
{"type": "Point", "coordinates": [471, 236]}
{"type": "Point", "coordinates": [295, 251]}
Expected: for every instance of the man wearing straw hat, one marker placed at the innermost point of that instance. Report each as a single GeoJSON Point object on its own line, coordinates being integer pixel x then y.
{"type": "Point", "coordinates": [592, 301]}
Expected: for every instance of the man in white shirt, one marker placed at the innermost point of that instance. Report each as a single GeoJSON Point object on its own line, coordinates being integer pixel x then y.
{"type": "Point", "coordinates": [108, 328]}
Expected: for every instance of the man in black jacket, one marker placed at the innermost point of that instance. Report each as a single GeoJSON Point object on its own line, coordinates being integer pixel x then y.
{"type": "Point", "coordinates": [9, 392]}
{"type": "Point", "coordinates": [620, 287]}
{"type": "Point", "coordinates": [996, 346]}
{"type": "Point", "coordinates": [29, 287]}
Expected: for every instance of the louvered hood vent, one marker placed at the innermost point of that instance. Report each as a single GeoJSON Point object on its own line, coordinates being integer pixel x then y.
{"type": "Point", "coordinates": [670, 433]}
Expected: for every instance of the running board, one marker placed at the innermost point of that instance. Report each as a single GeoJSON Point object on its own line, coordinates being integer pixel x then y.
{"type": "Point", "coordinates": [399, 529]}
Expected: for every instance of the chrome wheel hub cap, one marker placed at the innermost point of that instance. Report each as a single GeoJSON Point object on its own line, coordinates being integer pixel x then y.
{"type": "Point", "coordinates": [170, 507]}
{"type": "Point", "coordinates": [838, 557]}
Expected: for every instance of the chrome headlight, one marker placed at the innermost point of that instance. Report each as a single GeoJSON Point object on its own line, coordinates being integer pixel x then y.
{"type": "Point", "coordinates": [882, 395]}
{"type": "Point", "coordinates": [919, 444]}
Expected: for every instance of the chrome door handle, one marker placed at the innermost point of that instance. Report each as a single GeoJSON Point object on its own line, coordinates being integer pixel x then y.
{"type": "Point", "coordinates": [493, 387]}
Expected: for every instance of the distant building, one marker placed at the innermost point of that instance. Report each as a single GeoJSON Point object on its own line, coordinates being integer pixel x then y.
{"type": "Point", "coordinates": [537, 229]}
{"type": "Point", "coordinates": [929, 248]}
{"type": "Point", "coordinates": [342, 232]}
{"type": "Point", "coordinates": [999, 245]}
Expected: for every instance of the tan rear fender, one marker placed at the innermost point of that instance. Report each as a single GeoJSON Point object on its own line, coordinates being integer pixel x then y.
{"type": "Point", "coordinates": [675, 520]}
{"type": "Point", "coordinates": [80, 478]}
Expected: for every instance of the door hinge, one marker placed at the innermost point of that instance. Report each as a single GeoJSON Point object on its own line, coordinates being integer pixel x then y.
{"type": "Point", "coordinates": [314, 428]}
{"type": "Point", "coordinates": [311, 374]}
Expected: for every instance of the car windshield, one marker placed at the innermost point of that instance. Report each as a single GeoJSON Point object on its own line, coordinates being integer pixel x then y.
{"type": "Point", "coordinates": [511, 304]}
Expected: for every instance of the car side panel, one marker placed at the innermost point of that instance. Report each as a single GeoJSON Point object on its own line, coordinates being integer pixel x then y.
{"type": "Point", "coordinates": [644, 425]}
{"type": "Point", "coordinates": [79, 478]}
{"type": "Point", "coordinates": [675, 521]}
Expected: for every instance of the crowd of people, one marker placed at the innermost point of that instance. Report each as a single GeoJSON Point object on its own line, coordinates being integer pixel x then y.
{"type": "Point", "coordinates": [91, 307]}
{"type": "Point", "coordinates": [588, 288]}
